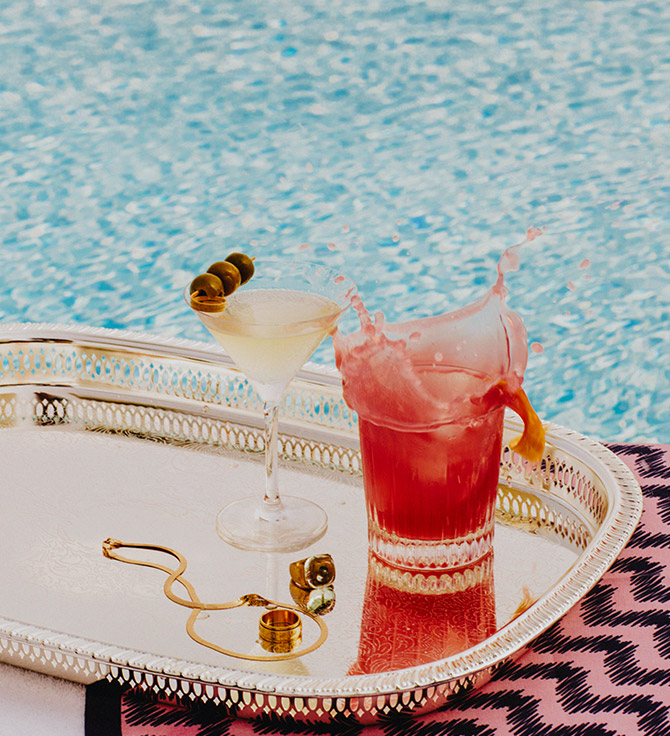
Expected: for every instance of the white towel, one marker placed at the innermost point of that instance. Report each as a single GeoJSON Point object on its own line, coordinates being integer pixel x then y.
{"type": "Point", "coordinates": [38, 705]}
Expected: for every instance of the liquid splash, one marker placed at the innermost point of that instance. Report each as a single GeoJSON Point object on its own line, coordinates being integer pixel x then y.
{"type": "Point", "coordinates": [424, 372]}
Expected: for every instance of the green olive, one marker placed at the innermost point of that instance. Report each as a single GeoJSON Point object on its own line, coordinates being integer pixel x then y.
{"type": "Point", "coordinates": [244, 264]}
{"type": "Point", "coordinates": [228, 274]}
{"type": "Point", "coordinates": [207, 286]}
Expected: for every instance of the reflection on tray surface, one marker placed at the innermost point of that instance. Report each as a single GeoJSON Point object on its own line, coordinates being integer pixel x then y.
{"type": "Point", "coordinates": [402, 628]}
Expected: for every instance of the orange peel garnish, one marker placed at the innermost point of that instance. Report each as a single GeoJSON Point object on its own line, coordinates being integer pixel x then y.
{"type": "Point", "coordinates": [531, 443]}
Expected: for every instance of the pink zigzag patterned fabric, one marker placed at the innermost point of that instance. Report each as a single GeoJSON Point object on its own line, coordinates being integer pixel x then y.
{"type": "Point", "coordinates": [603, 670]}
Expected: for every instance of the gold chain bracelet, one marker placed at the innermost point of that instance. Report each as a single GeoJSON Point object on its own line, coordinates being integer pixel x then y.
{"type": "Point", "coordinates": [280, 627]}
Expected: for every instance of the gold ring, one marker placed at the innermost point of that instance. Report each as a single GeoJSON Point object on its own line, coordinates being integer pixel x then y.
{"type": "Point", "coordinates": [317, 601]}
{"type": "Point", "coordinates": [280, 630]}
{"type": "Point", "coordinates": [313, 572]}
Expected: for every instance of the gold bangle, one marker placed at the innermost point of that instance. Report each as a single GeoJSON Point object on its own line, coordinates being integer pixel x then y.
{"type": "Point", "coordinates": [280, 630]}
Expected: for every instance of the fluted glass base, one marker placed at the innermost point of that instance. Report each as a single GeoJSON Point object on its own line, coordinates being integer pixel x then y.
{"type": "Point", "coordinates": [430, 555]}
{"type": "Point", "coordinates": [293, 524]}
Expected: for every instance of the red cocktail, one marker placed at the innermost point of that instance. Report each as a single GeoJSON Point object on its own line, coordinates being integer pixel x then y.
{"type": "Point", "coordinates": [424, 485]}
{"type": "Point", "coordinates": [430, 395]}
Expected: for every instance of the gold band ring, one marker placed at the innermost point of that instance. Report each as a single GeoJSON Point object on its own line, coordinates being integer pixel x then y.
{"type": "Point", "coordinates": [280, 630]}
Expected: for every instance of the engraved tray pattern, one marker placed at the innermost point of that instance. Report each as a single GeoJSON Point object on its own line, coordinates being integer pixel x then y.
{"type": "Point", "coordinates": [92, 387]}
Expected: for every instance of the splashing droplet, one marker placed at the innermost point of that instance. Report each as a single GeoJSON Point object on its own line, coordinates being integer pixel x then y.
{"type": "Point", "coordinates": [305, 246]}
{"type": "Point", "coordinates": [537, 347]}
{"type": "Point", "coordinates": [585, 263]}
{"type": "Point", "coordinates": [332, 246]}
{"type": "Point", "coordinates": [534, 232]}
{"type": "Point", "coordinates": [571, 285]}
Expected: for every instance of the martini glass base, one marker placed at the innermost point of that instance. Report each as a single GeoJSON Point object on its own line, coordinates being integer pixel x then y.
{"type": "Point", "coordinates": [247, 524]}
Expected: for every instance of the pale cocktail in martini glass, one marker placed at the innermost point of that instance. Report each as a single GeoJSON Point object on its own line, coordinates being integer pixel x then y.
{"type": "Point", "coordinates": [269, 327]}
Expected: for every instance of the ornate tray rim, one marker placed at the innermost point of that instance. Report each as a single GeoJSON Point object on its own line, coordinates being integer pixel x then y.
{"type": "Point", "coordinates": [82, 659]}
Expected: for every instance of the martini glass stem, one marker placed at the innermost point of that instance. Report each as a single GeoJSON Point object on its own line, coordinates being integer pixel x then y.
{"type": "Point", "coordinates": [271, 501]}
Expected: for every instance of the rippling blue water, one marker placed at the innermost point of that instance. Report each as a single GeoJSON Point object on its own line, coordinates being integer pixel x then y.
{"type": "Point", "coordinates": [410, 142]}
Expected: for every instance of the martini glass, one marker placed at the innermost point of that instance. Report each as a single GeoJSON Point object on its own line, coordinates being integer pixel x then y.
{"type": "Point", "coordinates": [269, 327]}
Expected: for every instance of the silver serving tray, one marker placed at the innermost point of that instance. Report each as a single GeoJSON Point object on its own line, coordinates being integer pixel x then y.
{"type": "Point", "coordinates": [105, 433]}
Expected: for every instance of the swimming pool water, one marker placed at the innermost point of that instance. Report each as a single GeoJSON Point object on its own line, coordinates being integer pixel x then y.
{"type": "Point", "coordinates": [409, 142]}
